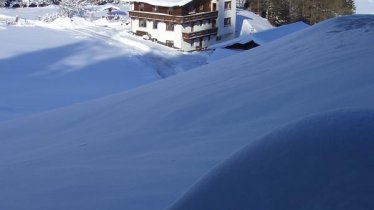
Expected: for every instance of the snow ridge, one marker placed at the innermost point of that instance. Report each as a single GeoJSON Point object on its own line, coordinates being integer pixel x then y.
{"type": "Point", "coordinates": [320, 162]}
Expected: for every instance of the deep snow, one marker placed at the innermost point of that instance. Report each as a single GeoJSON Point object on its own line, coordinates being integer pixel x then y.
{"type": "Point", "coordinates": [321, 162]}
{"type": "Point", "coordinates": [143, 148]}
{"type": "Point", "coordinates": [50, 65]}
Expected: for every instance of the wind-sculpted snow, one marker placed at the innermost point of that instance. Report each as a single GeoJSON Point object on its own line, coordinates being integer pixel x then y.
{"type": "Point", "coordinates": [142, 149]}
{"type": "Point", "coordinates": [355, 22]}
{"type": "Point", "coordinates": [321, 162]}
{"type": "Point", "coordinates": [43, 69]}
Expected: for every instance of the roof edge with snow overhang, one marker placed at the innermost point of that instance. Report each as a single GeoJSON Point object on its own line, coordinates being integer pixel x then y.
{"type": "Point", "coordinates": [165, 3]}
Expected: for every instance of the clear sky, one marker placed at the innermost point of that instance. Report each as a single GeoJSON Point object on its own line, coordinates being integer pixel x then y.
{"type": "Point", "coordinates": [364, 6]}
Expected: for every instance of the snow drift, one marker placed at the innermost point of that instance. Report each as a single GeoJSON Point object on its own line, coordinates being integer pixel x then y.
{"type": "Point", "coordinates": [321, 162]}
{"type": "Point", "coordinates": [142, 149]}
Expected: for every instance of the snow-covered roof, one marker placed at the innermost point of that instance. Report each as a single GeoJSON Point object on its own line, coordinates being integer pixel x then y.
{"type": "Point", "coordinates": [106, 7]}
{"type": "Point", "coordinates": [164, 3]}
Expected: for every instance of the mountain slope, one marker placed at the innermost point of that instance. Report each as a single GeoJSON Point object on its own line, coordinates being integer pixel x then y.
{"type": "Point", "coordinates": [142, 149]}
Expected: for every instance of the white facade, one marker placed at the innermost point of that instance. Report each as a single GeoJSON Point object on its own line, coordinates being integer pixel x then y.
{"type": "Point", "coordinates": [225, 23]}
{"type": "Point", "coordinates": [226, 31]}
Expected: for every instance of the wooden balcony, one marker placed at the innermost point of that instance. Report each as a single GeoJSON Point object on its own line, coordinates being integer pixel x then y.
{"type": "Point", "coordinates": [173, 18]}
{"type": "Point", "coordinates": [198, 34]}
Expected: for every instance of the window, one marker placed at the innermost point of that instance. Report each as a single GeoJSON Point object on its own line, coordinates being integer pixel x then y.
{"type": "Point", "coordinates": [155, 24]}
{"type": "Point", "coordinates": [141, 8]}
{"type": "Point", "coordinates": [227, 21]}
{"type": "Point", "coordinates": [227, 5]}
{"type": "Point", "coordinates": [142, 23]}
{"type": "Point", "coordinates": [170, 26]}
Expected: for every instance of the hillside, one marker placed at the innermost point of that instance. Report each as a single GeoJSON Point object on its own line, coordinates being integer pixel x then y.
{"type": "Point", "coordinates": [142, 149]}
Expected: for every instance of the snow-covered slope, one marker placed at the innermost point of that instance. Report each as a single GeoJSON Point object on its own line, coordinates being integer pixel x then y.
{"type": "Point", "coordinates": [142, 149]}
{"type": "Point", "coordinates": [322, 162]}
{"type": "Point", "coordinates": [276, 33]}
{"type": "Point", "coordinates": [42, 68]}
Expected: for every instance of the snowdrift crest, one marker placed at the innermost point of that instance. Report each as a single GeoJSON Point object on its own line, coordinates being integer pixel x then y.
{"type": "Point", "coordinates": [321, 162]}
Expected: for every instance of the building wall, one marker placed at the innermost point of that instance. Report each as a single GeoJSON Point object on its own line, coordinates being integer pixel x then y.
{"type": "Point", "coordinates": [184, 10]}
{"type": "Point", "coordinates": [198, 26]}
{"type": "Point", "coordinates": [226, 32]}
{"type": "Point", "coordinates": [162, 35]}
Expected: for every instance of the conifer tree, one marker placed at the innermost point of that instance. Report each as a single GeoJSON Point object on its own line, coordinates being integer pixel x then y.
{"type": "Point", "coordinates": [281, 12]}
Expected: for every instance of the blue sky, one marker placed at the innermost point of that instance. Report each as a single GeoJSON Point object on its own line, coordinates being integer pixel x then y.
{"type": "Point", "coordinates": [365, 6]}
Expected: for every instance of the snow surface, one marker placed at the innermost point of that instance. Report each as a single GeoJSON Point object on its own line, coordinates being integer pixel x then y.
{"type": "Point", "coordinates": [322, 162]}
{"type": "Point", "coordinates": [220, 53]}
{"type": "Point", "coordinates": [279, 32]}
{"type": "Point", "coordinates": [49, 65]}
{"type": "Point", "coordinates": [143, 148]}
{"type": "Point", "coordinates": [29, 13]}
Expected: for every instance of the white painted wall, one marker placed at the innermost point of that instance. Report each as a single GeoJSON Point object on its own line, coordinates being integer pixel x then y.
{"type": "Point", "coordinates": [162, 35]}
{"type": "Point", "coordinates": [226, 32]}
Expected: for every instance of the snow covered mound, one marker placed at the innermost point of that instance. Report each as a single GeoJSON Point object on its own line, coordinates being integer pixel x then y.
{"type": "Point", "coordinates": [322, 162]}
{"type": "Point", "coordinates": [141, 149]}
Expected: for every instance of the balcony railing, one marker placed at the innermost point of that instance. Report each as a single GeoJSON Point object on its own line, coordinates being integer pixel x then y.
{"type": "Point", "coordinates": [174, 18]}
{"type": "Point", "coordinates": [198, 34]}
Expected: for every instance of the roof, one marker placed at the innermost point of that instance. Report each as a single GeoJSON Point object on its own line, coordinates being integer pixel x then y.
{"type": "Point", "coordinates": [164, 3]}
{"type": "Point", "coordinates": [107, 7]}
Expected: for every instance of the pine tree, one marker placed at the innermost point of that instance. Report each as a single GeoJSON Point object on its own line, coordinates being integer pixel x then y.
{"type": "Point", "coordinates": [281, 12]}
